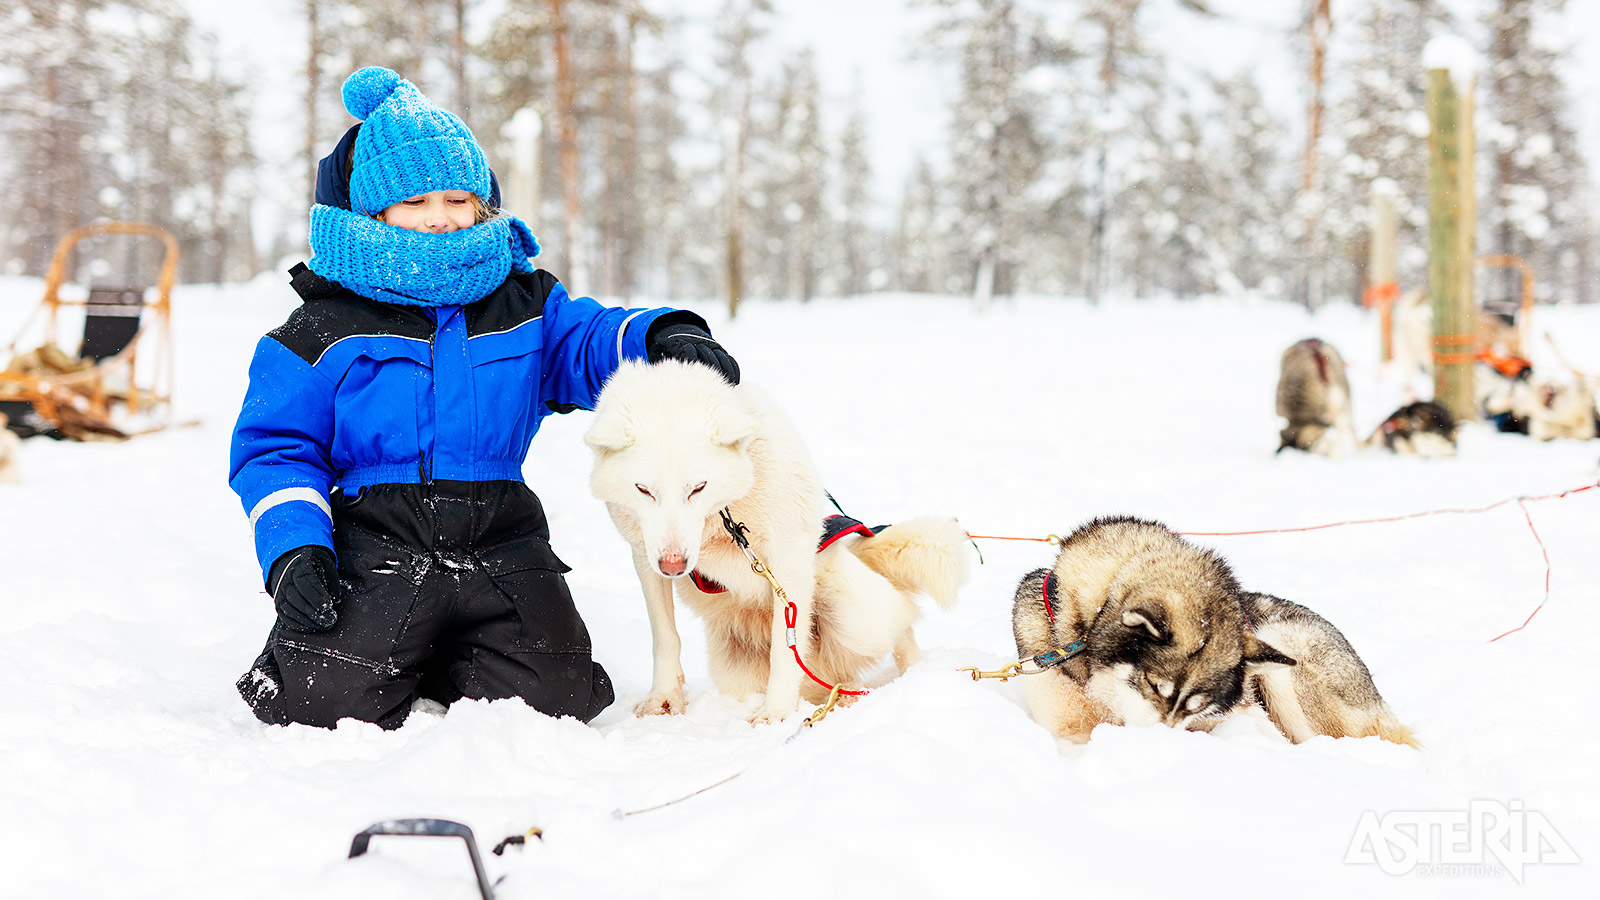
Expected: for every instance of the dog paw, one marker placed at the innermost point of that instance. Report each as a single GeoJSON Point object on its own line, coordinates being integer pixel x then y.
{"type": "Point", "coordinates": [767, 715]}
{"type": "Point", "coordinates": [662, 704]}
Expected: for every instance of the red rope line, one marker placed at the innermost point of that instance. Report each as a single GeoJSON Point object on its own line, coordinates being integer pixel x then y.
{"type": "Point", "coordinates": [790, 615]}
{"type": "Point", "coordinates": [1432, 512]}
{"type": "Point", "coordinates": [1521, 501]}
{"type": "Point", "coordinates": [1418, 515]}
{"type": "Point", "coordinates": [1529, 516]}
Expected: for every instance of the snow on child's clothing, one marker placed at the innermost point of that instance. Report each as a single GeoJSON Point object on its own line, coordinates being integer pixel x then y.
{"type": "Point", "coordinates": [389, 419]}
{"type": "Point", "coordinates": [396, 435]}
{"type": "Point", "coordinates": [395, 265]}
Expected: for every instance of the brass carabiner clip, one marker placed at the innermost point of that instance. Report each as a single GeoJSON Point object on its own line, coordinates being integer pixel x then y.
{"type": "Point", "coordinates": [1005, 673]}
{"type": "Point", "coordinates": [825, 708]}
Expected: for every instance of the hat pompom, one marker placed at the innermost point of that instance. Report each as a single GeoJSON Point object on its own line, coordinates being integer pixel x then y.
{"type": "Point", "coordinates": [366, 88]}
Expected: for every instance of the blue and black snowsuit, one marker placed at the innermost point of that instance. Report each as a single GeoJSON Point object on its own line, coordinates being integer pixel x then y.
{"type": "Point", "coordinates": [396, 435]}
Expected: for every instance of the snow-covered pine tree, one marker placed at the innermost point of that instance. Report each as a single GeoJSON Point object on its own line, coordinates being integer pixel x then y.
{"type": "Point", "coordinates": [57, 80]}
{"type": "Point", "coordinates": [108, 116]}
{"type": "Point", "coordinates": [924, 242]}
{"type": "Point", "coordinates": [675, 261]}
{"type": "Point", "coordinates": [995, 150]}
{"type": "Point", "coordinates": [617, 86]}
{"type": "Point", "coordinates": [1253, 189]}
{"type": "Point", "coordinates": [855, 247]}
{"type": "Point", "coordinates": [1376, 128]}
{"type": "Point", "coordinates": [518, 59]}
{"type": "Point", "coordinates": [187, 164]}
{"type": "Point", "coordinates": [1139, 223]}
{"type": "Point", "coordinates": [417, 38]}
{"type": "Point", "coordinates": [741, 26]}
{"type": "Point", "coordinates": [181, 127]}
{"type": "Point", "coordinates": [412, 37]}
{"type": "Point", "coordinates": [1539, 204]}
{"type": "Point", "coordinates": [1123, 117]}
{"type": "Point", "coordinates": [789, 172]}
{"type": "Point", "coordinates": [576, 63]}
{"type": "Point", "coordinates": [1180, 223]}
{"type": "Point", "coordinates": [227, 189]}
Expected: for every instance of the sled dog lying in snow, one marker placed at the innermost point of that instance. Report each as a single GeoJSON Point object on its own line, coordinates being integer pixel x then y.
{"type": "Point", "coordinates": [674, 445]}
{"type": "Point", "coordinates": [1171, 638]}
{"type": "Point", "coordinates": [1559, 408]}
{"type": "Point", "coordinates": [1314, 396]}
{"type": "Point", "coordinates": [1542, 406]}
{"type": "Point", "coordinates": [1504, 392]}
{"type": "Point", "coordinates": [1423, 428]}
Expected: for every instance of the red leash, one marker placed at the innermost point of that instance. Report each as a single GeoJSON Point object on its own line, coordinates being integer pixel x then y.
{"type": "Point", "coordinates": [791, 613]}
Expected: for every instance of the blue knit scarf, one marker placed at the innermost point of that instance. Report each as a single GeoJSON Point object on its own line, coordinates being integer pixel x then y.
{"type": "Point", "coordinates": [397, 265]}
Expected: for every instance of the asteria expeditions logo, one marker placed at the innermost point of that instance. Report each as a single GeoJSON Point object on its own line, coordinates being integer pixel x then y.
{"type": "Point", "coordinates": [1487, 839]}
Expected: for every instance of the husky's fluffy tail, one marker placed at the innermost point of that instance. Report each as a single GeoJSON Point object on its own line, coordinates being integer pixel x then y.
{"type": "Point", "coordinates": [1390, 729]}
{"type": "Point", "coordinates": [926, 555]}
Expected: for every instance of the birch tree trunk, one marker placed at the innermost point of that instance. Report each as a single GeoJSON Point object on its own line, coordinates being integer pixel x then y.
{"type": "Point", "coordinates": [567, 117]}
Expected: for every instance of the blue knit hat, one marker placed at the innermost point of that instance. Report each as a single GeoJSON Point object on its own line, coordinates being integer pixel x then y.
{"type": "Point", "coordinates": [406, 145]}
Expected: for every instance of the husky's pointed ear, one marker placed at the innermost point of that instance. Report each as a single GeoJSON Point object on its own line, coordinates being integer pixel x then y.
{"type": "Point", "coordinates": [609, 434]}
{"type": "Point", "coordinates": [1260, 653]}
{"type": "Point", "coordinates": [731, 427]}
{"type": "Point", "coordinates": [1147, 622]}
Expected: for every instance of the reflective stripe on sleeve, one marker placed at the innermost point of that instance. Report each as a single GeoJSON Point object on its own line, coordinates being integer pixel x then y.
{"type": "Point", "coordinates": [624, 330]}
{"type": "Point", "coordinates": [290, 495]}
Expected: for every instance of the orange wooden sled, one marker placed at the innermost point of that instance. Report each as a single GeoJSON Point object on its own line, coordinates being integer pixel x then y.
{"type": "Point", "coordinates": [47, 389]}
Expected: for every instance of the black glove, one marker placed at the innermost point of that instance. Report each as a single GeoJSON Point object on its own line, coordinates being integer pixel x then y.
{"type": "Point", "coordinates": [689, 343]}
{"type": "Point", "coordinates": [304, 584]}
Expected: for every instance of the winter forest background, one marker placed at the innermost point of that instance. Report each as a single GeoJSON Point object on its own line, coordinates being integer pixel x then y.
{"type": "Point", "coordinates": [685, 151]}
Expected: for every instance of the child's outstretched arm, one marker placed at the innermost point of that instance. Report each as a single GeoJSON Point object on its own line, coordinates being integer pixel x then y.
{"type": "Point", "coordinates": [584, 342]}
{"type": "Point", "coordinates": [279, 459]}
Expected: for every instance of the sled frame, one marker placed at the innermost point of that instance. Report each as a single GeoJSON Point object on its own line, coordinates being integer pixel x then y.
{"type": "Point", "coordinates": [153, 336]}
{"type": "Point", "coordinates": [427, 828]}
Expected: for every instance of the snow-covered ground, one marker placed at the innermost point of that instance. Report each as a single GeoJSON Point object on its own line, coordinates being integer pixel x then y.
{"type": "Point", "coordinates": [129, 768]}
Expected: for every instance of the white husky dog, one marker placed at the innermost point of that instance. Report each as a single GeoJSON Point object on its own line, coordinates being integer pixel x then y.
{"type": "Point", "coordinates": [674, 445]}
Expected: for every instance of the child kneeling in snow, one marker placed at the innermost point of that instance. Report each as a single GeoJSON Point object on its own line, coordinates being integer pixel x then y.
{"type": "Point", "coordinates": [380, 447]}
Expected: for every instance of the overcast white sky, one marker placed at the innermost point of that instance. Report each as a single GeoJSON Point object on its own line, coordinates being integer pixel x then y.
{"type": "Point", "coordinates": [870, 43]}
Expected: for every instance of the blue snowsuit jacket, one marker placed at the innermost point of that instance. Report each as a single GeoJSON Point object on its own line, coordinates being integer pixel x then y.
{"type": "Point", "coordinates": [350, 392]}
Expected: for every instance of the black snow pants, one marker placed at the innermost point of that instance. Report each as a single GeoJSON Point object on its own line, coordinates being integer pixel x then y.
{"type": "Point", "coordinates": [448, 589]}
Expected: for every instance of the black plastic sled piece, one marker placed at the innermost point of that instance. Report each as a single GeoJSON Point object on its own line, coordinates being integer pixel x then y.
{"type": "Point", "coordinates": [427, 828]}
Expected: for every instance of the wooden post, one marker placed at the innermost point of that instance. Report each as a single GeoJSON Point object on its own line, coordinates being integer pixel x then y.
{"type": "Point", "coordinates": [1452, 215]}
{"type": "Point", "coordinates": [1382, 287]}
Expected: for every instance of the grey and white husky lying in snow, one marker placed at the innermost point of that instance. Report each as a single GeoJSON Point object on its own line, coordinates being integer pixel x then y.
{"type": "Point", "coordinates": [1169, 637]}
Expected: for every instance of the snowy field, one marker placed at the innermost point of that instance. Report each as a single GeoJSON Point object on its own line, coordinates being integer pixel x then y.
{"type": "Point", "coordinates": [131, 601]}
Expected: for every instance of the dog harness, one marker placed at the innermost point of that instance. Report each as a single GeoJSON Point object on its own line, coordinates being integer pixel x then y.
{"type": "Point", "coordinates": [1511, 366]}
{"type": "Point", "coordinates": [1058, 656]}
{"type": "Point", "coordinates": [833, 528]}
